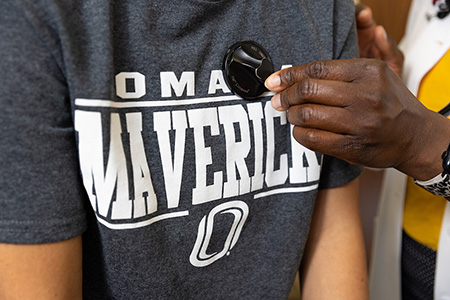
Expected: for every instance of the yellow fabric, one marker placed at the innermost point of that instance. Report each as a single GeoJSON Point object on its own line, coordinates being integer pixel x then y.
{"type": "Point", "coordinates": [422, 218]}
{"type": "Point", "coordinates": [423, 212]}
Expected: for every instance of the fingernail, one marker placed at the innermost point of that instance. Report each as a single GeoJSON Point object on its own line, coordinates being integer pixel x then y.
{"type": "Point", "coordinates": [365, 13]}
{"type": "Point", "coordinates": [276, 102]}
{"type": "Point", "coordinates": [273, 82]}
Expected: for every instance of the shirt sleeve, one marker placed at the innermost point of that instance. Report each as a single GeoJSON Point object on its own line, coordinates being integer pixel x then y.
{"type": "Point", "coordinates": [345, 42]}
{"type": "Point", "coordinates": [336, 172]}
{"type": "Point", "coordinates": [41, 194]}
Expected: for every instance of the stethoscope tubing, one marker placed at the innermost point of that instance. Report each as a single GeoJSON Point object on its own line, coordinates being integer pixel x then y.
{"type": "Point", "coordinates": [445, 111]}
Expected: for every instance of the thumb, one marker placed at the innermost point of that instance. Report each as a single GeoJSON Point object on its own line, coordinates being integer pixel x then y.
{"type": "Point", "coordinates": [389, 51]}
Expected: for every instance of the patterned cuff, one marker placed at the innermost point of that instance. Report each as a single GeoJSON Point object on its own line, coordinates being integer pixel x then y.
{"type": "Point", "coordinates": [439, 185]}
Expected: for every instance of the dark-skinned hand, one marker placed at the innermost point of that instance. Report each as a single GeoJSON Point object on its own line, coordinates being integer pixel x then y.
{"type": "Point", "coordinates": [359, 110]}
{"type": "Point", "coordinates": [374, 42]}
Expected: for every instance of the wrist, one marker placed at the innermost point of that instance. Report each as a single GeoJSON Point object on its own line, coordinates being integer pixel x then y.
{"type": "Point", "coordinates": [440, 184]}
{"type": "Point", "coordinates": [424, 161]}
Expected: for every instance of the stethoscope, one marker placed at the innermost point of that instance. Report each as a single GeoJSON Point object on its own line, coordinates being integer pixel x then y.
{"type": "Point", "coordinates": [246, 66]}
{"type": "Point", "coordinates": [445, 111]}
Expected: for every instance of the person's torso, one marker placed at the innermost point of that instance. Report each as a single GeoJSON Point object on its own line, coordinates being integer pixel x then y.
{"type": "Point", "coordinates": [193, 190]}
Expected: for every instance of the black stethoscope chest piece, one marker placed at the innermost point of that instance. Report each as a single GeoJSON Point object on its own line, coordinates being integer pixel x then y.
{"type": "Point", "coordinates": [246, 66]}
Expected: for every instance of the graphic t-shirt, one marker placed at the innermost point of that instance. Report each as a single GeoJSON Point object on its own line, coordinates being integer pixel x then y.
{"type": "Point", "coordinates": [117, 123]}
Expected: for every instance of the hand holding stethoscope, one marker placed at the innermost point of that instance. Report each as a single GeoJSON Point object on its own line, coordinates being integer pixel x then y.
{"type": "Point", "coordinates": [247, 65]}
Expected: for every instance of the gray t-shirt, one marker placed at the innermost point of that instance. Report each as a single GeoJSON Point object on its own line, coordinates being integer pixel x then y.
{"type": "Point", "coordinates": [116, 122]}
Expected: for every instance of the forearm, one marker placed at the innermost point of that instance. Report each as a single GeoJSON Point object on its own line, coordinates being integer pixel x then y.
{"type": "Point", "coordinates": [334, 264]}
{"type": "Point", "coordinates": [46, 271]}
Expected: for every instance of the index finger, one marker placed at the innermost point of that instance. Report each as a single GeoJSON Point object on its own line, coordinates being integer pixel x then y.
{"type": "Point", "coordinates": [340, 70]}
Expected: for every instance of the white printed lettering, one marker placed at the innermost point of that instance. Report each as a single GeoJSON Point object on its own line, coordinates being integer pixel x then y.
{"type": "Point", "coordinates": [144, 195]}
{"type": "Point", "coordinates": [274, 177]}
{"type": "Point", "coordinates": [236, 151]}
{"type": "Point", "coordinates": [256, 115]}
{"type": "Point", "coordinates": [217, 82]}
{"type": "Point", "coordinates": [169, 81]}
{"type": "Point", "coordinates": [305, 166]}
{"type": "Point", "coordinates": [99, 185]}
{"type": "Point", "coordinates": [172, 166]}
{"type": "Point", "coordinates": [137, 81]}
{"type": "Point", "coordinates": [198, 120]}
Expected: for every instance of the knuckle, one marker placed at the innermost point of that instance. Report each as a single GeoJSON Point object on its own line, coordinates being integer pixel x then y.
{"type": "Point", "coordinates": [312, 139]}
{"type": "Point", "coordinates": [303, 116]}
{"type": "Point", "coordinates": [316, 69]}
{"type": "Point", "coordinates": [375, 66]}
{"type": "Point", "coordinates": [378, 107]}
{"type": "Point", "coordinates": [307, 137]}
{"type": "Point", "coordinates": [354, 145]}
{"type": "Point", "coordinates": [352, 148]}
{"type": "Point", "coordinates": [374, 94]}
{"type": "Point", "coordinates": [308, 88]}
{"type": "Point", "coordinates": [288, 77]}
{"type": "Point", "coordinates": [374, 99]}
